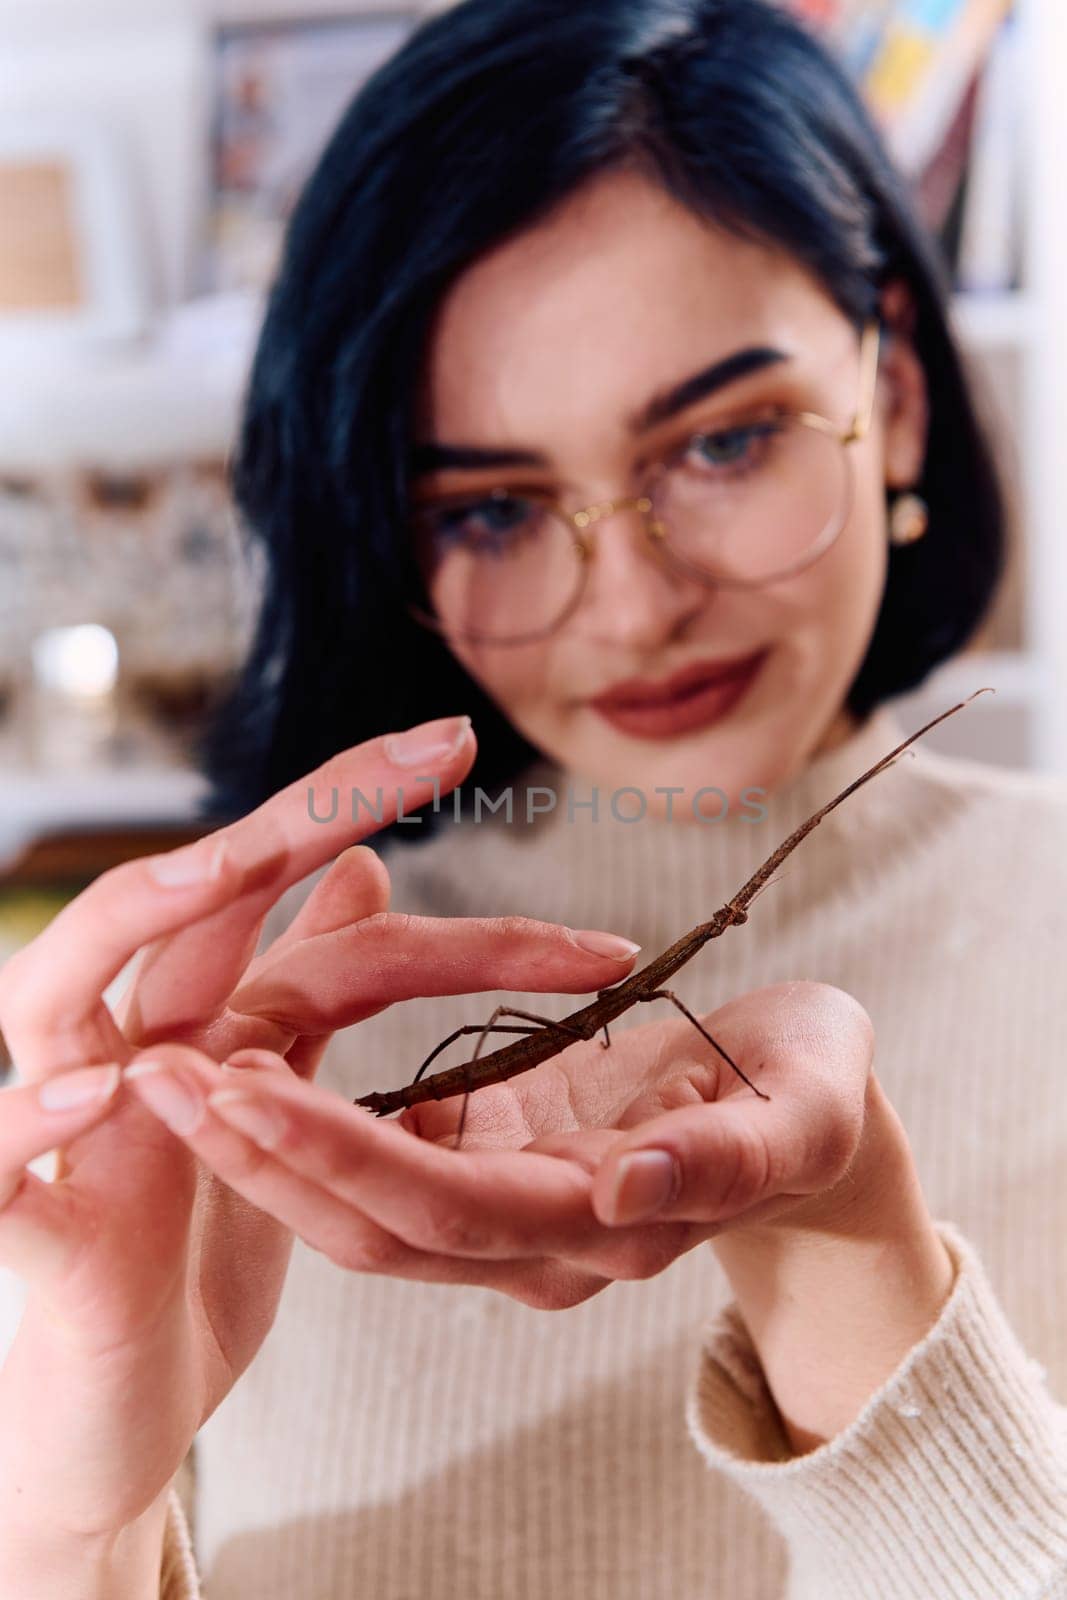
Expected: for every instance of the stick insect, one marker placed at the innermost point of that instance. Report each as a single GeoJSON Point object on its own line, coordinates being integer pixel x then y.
{"type": "Point", "coordinates": [544, 1038]}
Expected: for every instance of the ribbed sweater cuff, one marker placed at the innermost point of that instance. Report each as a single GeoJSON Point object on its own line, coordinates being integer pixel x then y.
{"type": "Point", "coordinates": [951, 1482]}
{"type": "Point", "coordinates": [178, 1574]}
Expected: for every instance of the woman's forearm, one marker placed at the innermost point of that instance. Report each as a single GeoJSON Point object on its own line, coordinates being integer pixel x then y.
{"type": "Point", "coordinates": [836, 1293]}
{"type": "Point", "coordinates": [52, 1564]}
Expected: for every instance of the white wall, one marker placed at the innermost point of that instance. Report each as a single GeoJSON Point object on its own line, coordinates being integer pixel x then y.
{"type": "Point", "coordinates": [140, 64]}
{"type": "Point", "coordinates": [143, 74]}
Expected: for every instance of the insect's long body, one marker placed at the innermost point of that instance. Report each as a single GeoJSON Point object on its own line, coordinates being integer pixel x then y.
{"type": "Point", "coordinates": [553, 1037]}
{"type": "Point", "coordinates": [586, 1023]}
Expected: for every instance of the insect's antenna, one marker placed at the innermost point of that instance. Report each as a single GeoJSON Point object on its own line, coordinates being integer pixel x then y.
{"type": "Point", "coordinates": [888, 760]}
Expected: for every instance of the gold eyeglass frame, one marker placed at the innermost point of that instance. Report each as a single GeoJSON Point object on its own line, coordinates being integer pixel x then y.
{"type": "Point", "coordinates": [580, 521]}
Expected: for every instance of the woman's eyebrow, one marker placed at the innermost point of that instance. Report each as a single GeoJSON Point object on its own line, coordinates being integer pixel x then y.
{"type": "Point", "coordinates": [730, 369]}
{"type": "Point", "coordinates": [432, 457]}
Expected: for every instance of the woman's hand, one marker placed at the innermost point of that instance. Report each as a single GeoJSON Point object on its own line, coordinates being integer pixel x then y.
{"type": "Point", "coordinates": [151, 1286]}
{"type": "Point", "coordinates": [542, 1202]}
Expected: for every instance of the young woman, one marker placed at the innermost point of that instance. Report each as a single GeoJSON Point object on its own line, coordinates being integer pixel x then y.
{"type": "Point", "coordinates": [607, 397]}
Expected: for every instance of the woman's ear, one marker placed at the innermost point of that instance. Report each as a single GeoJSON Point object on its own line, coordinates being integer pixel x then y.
{"type": "Point", "coordinates": [906, 409]}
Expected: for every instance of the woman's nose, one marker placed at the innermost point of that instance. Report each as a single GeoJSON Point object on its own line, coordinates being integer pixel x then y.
{"type": "Point", "coordinates": [633, 596]}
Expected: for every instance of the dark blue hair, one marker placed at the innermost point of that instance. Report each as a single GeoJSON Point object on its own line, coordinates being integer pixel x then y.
{"type": "Point", "coordinates": [487, 117]}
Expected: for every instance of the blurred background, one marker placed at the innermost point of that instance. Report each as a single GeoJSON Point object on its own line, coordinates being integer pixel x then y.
{"type": "Point", "coordinates": [150, 151]}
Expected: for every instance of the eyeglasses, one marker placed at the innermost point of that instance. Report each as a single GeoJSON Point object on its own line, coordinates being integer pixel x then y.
{"type": "Point", "coordinates": [756, 498]}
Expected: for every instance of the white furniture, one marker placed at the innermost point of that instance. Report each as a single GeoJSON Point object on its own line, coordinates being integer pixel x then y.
{"type": "Point", "coordinates": [1019, 342]}
{"type": "Point", "coordinates": [33, 804]}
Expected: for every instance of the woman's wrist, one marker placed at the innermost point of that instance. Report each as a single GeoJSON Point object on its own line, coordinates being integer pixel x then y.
{"type": "Point", "coordinates": [53, 1564]}
{"type": "Point", "coordinates": [835, 1292]}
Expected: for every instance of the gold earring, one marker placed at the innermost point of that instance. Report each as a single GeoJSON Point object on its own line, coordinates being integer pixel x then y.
{"type": "Point", "coordinates": [909, 518]}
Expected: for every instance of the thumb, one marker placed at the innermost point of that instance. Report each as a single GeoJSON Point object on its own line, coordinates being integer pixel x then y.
{"type": "Point", "coordinates": [713, 1160]}
{"type": "Point", "coordinates": [711, 1163]}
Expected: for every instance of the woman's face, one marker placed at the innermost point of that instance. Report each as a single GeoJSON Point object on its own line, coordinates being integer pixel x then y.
{"type": "Point", "coordinates": [548, 348]}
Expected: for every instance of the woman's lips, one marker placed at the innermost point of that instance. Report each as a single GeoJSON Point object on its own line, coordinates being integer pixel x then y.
{"type": "Point", "coordinates": [697, 707]}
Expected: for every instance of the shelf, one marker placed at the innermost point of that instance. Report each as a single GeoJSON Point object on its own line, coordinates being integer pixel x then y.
{"type": "Point", "coordinates": [34, 803]}
{"type": "Point", "coordinates": [126, 417]}
{"type": "Point", "coordinates": [172, 398]}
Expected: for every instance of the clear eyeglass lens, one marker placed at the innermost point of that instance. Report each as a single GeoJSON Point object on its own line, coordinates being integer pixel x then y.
{"type": "Point", "coordinates": [754, 500]}
{"type": "Point", "coordinates": [746, 502]}
{"type": "Point", "coordinates": [501, 567]}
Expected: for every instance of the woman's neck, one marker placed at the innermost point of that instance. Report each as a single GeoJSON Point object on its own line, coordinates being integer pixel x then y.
{"type": "Point", "coordinates": [840, 729]}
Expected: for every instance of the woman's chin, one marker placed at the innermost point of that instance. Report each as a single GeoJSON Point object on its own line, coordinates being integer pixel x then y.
{"type": "Point", "coordinates": [665, 778]}
{"type": "Point", "coordinates": [755, 743]}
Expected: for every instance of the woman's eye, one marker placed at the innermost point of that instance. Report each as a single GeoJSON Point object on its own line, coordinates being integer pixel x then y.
{"type": "Point", "coordinates": [487, 526]}
{"type": "Point", "coordinates": [730, 449]}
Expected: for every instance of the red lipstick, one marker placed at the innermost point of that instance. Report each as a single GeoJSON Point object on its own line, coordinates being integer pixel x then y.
{"type": "Point", "coordinates": [694, 697]}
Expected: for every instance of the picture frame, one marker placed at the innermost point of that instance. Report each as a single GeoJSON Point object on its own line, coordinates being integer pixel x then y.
{"type": "Point", "coordinates": [279, 87]}
{"type": "Point", "coordinates": [72, 265]}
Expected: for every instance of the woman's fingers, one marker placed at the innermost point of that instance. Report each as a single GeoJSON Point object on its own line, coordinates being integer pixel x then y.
{"type": "Point", "coordinates": [350, 797]}
{"type": "Point", "coordinates": [492, 1204]}
{"type": "Point", "coordinates": [254, 1058]}
{"type": "Point", "coordinates": [354, 886]}
{"type": "Point", "coordinates": [39, 1228]}
{"type": "Point", "coordinates": [51, 1010]}
{"type": "Point", "coordinates": [739, 1155]}
{"type": "Point", "coordinates": [232, 1121]}
{"type": "Point", "coordinates": [35, 1117]}
{"type": "Point", "coordinates": [305, 1054]}
{"type": "Point", "coordinates": [374, 1198]}
{"type": "Point", "coordinates": [333, 980]}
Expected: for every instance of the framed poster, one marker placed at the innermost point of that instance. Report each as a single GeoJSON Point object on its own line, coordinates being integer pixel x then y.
{"type": "Point", "coordinates": [71, 263]}
{"type": "Point", "coordinates": [279, 90]}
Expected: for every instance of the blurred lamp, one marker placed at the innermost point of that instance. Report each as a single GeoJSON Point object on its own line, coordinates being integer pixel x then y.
{"type": "Point", "coordinates": [78, 663]}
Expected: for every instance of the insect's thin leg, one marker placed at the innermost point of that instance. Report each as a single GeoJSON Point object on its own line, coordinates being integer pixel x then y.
{"type": "Point", "coordinates": [668, 994]}
{"type": "Point", "coordinates": [606, 1040]}
{"type": "Point", "coordinates": [492, 1027]}
{"type": "Point", "coordinates": [469, 1027]}
{"type": "Point", "coordinates": [546, 1022]}
{"type": "Point", "coordinates": [483, 1033]}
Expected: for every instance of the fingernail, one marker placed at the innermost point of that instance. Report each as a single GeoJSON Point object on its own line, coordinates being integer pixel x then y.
{"type": "Point", "coordinates": [644, 1182]}
{"type": "Point", "coordinates": [264, 1124]}
{"type": "Point", "coordinates": [605, 944]}
{"type": "Point", "coordinates": [78, 1088]}
{"type": "Point", "coordinates": [175, 1100]}
{"type": "Point", "coordinates": [195, 863]}
{"type": "Point", "coordinates": [430, 742]}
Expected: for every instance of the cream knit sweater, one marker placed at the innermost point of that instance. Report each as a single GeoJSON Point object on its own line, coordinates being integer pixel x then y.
{"type": "Point", "coordinates": [406, 1441]}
